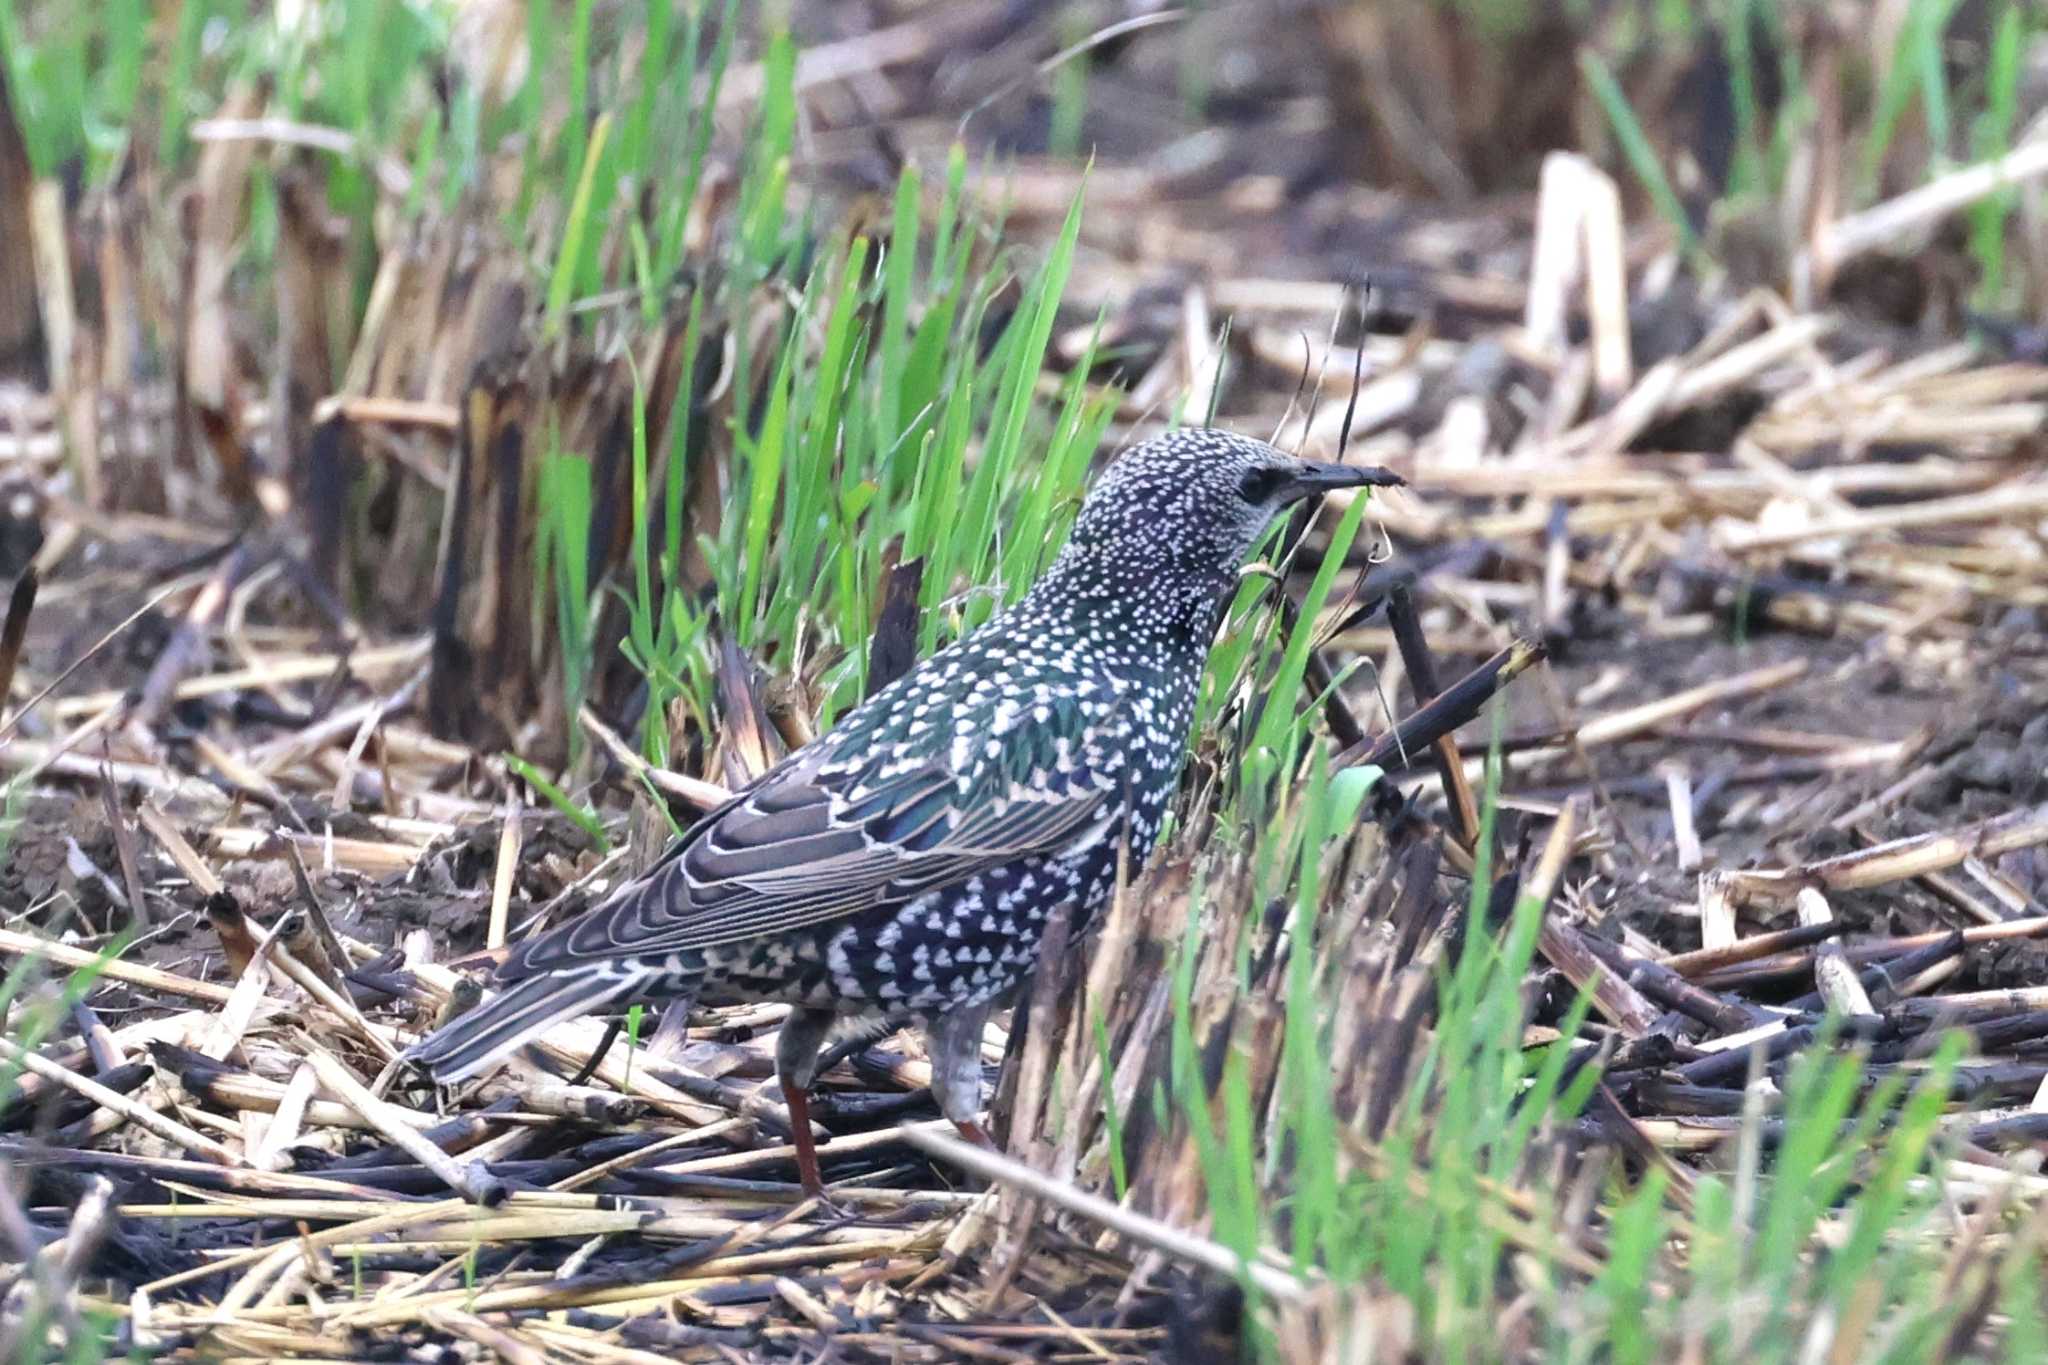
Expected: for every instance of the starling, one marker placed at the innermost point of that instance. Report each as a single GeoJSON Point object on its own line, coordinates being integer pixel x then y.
{"type": "Point", "coordinates": [905, 863]}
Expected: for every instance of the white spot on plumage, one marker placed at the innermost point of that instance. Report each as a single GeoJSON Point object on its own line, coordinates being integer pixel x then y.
{"type": "Point", "coordinates": [1107, 649]}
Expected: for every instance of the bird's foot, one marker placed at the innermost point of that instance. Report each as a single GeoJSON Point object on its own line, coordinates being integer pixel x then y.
{"type": "Point", "coordinates": [807, 1175]}
{"type": "Point", "coordinates": [827, 1205]}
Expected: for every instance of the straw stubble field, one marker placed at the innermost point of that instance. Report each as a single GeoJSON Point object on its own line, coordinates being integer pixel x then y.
{"type": "Point", "coordinates": [452, 446]}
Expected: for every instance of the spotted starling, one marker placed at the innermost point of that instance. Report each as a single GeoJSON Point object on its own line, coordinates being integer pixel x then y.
{"type": "Point", "coordinates": [905, 863]}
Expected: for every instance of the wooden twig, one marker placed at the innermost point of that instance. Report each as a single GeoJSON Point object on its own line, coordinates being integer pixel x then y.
{"type": "Point", "coordinates": [1456, 705]}
{"type": "Point", "coordinates": [1421, 667]}
{"type": "Point", "coordinates": [1145, 1231]}
{"type": "Point", "coordinates": [507, 871]}
{"type": "Point", "coordinates": [1847, 238]}
{"type": "Point", "coordinates": [468, 1179]}
{"type": "Point", "coordinates": [92, 651]}
{"type": "Point", "coordinates": [1831, 970]}
{"type": "Point", "coordinates": [124, 850]}
{"type": "Point", "coordinates": [16, 944]}
{"type": "Point", "coordinates": [1897, 860]}
{"type": "Point", "coordinates": [14, 631]}
{"type": "Point", "coordinates": [170, 1130]}
{"type": "Point", "coordinates": [1678, 791]}
{"type": "Point", "coordinates": [695, 792]}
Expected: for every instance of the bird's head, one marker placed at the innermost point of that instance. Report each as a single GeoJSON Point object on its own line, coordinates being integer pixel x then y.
{"type": "Point", "coordinates": [1170, 521]}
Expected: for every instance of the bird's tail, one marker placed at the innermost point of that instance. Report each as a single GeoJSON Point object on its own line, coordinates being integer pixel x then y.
{"type": "Point", "coordinates": [470, 1042]}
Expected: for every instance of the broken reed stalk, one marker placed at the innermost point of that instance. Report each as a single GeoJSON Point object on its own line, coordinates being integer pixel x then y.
{"type": "Point", "coordinates": [509, 840]}
{"type": "Point", "coordinates": [1832, 973]}
{"type": "Point", "coordinates": [1139, 1228]}
{"type": "Point", "coordinates": [1898, 860]}
{"type": "Point", "coordinates": [1455, 706]}
{"type": "Point", "coordinates": [1422, 677]}
{"type": "Point", "coordinates": [467, 1179]}
{"type": "Point", "coordinates": [169, 1129]}
{"type": "Point", "coordinates": [14, 630]}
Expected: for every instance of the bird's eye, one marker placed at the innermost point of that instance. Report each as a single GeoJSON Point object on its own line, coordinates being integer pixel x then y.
{"type": "Point", "coordinates": [1258, 484]}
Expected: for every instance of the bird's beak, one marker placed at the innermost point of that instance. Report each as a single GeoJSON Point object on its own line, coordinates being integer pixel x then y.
{"type": "Point", "coordinates": [1313, 478]}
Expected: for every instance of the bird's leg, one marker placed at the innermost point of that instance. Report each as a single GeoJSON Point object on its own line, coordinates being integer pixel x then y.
{"type": "Point", "coordinates": [796, 1066]}
{"type": "Point", "coordinates": [956, 1068]}
{"type": "Point", "coordinates": [975, 1133]}
{"type": "Point", "coordinates": [800, 1133]}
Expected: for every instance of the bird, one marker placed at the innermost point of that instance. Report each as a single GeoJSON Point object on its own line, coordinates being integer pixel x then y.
{"type": "Point", "coordinates": [904, 864]}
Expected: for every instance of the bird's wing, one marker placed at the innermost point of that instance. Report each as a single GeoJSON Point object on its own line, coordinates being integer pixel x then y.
{"type": "Point", "coordinates": [810, 843]}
